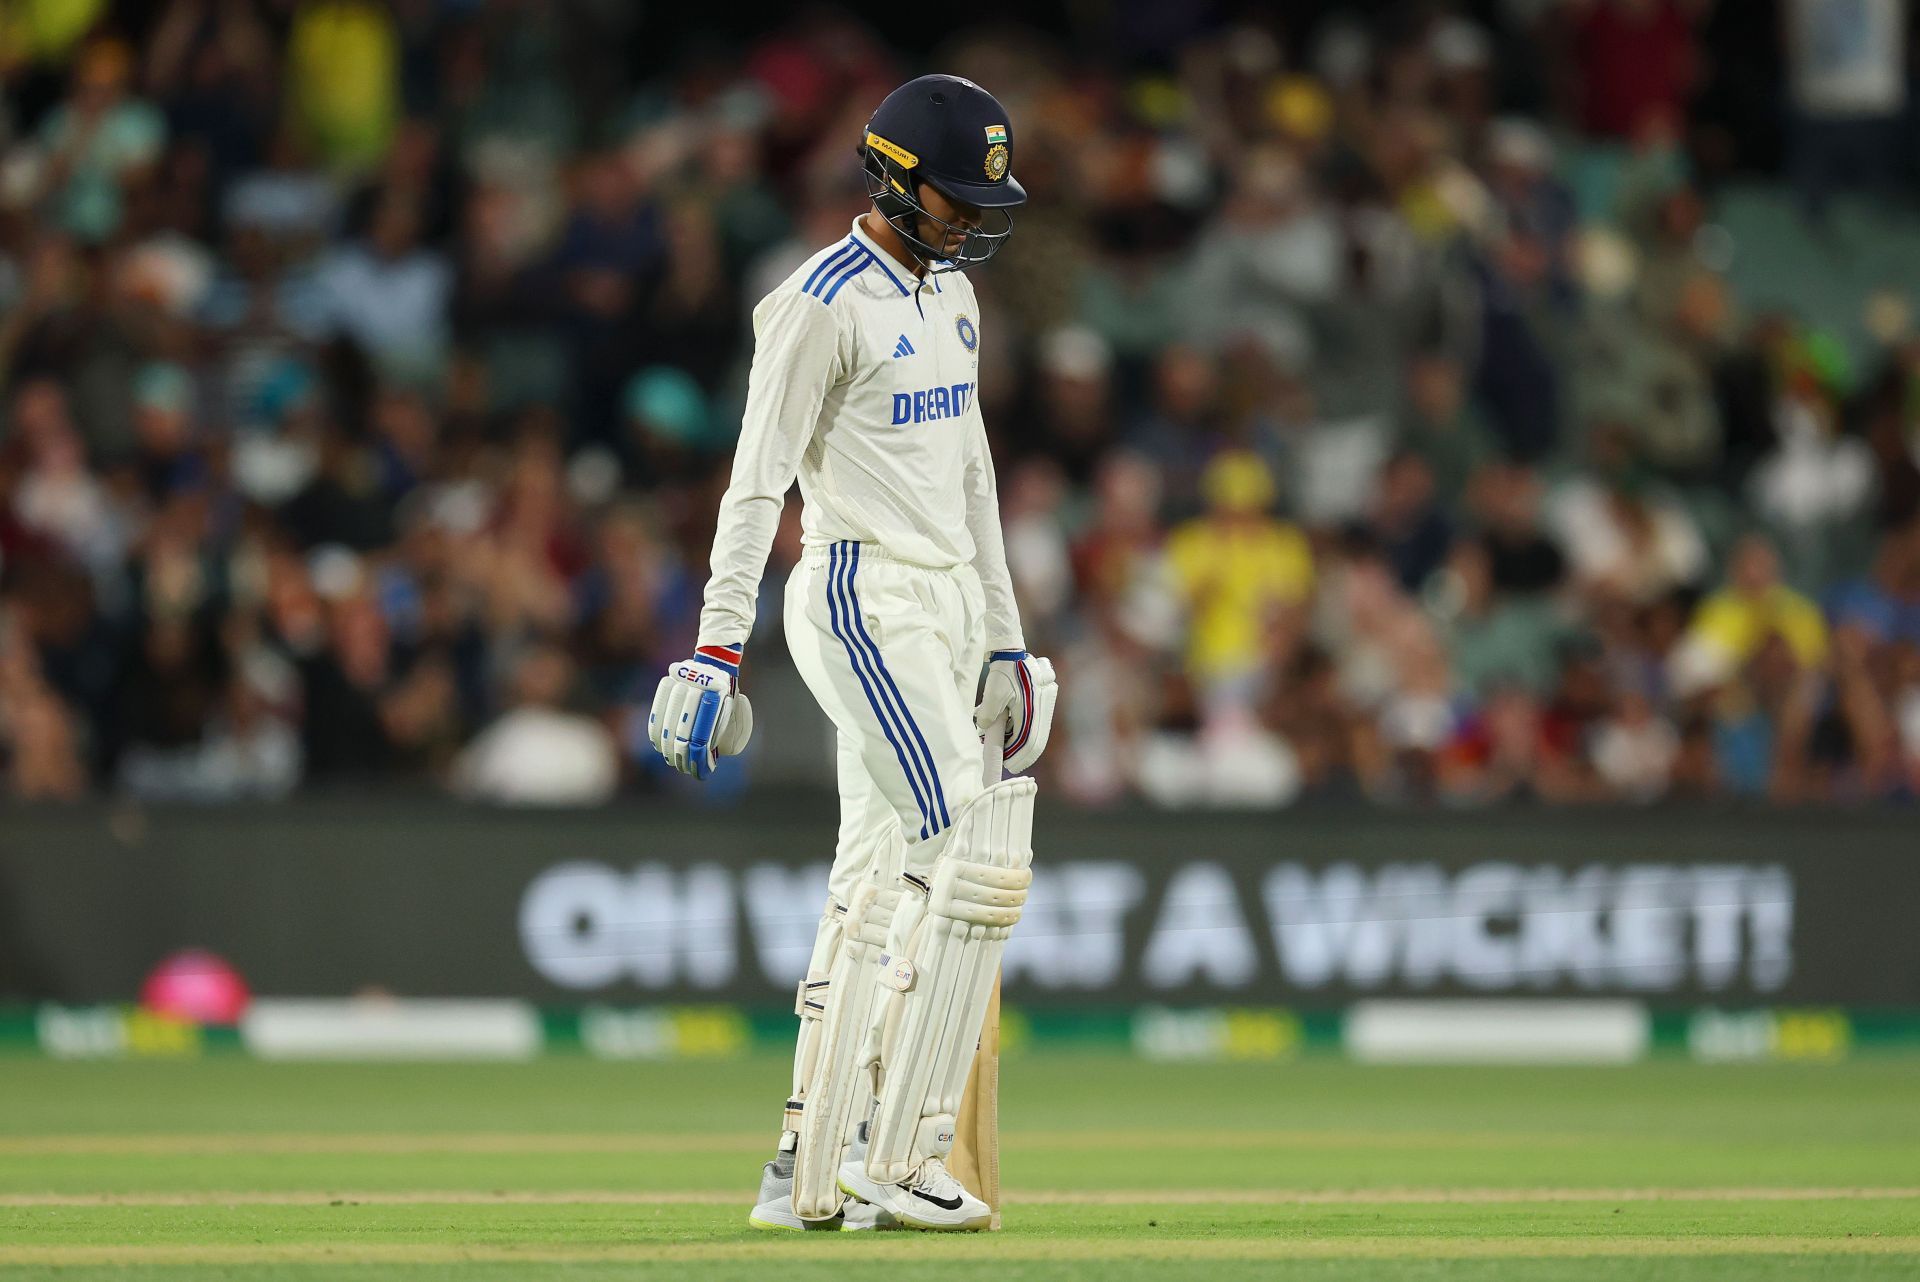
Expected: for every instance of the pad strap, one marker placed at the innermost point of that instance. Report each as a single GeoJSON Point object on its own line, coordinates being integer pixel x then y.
{"type": "Point", "coordinates": [809, 1003]}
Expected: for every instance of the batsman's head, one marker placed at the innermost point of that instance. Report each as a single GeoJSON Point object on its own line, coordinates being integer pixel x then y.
{"type": "Point", "coordinates": [938, 154]}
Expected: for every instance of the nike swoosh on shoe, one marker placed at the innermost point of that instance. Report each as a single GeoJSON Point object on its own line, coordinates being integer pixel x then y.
{"type": "Point", "coordinates": [945, 1204]}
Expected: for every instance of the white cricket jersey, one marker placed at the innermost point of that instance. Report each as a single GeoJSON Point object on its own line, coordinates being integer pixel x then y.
{"type": "Point", "coordinates": [862, 385]}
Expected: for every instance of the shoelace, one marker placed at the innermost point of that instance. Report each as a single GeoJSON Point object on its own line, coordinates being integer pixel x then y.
{"type": "Point", "coordinates": [934, 1177]}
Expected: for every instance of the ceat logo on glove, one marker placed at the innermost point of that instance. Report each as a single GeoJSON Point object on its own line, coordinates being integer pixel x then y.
{"type": "Point", "coordinates": [686, 672]}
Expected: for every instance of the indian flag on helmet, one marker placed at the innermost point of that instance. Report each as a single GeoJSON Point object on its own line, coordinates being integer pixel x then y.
{"type": "Point", "coordinates": [996, 134]}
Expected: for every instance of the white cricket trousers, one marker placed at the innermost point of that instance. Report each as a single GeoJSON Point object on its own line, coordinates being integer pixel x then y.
{"type": "Point", "coordinates": [892, 652]}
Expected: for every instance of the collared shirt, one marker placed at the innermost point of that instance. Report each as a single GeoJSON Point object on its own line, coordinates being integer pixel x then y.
{"type": "Point", "coordinates": [863, 385]}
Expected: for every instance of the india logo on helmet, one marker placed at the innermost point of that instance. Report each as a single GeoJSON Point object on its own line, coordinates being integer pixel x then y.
{"type": "Point", "coordinates": [996, 152]}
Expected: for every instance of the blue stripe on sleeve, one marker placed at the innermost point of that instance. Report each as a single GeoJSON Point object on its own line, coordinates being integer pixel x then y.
{"type": "Point", "coordinates": [859, 265]}
{"type": "Point", "coordinates": [833, 262]}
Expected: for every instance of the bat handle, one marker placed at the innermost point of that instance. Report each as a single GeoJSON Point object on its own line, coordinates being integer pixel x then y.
{"type": "Point", "coordinates": [993, 751]}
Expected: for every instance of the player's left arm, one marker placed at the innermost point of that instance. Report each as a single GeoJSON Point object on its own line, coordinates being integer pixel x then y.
{"type": "Point", "coordinates": [1017, 689]}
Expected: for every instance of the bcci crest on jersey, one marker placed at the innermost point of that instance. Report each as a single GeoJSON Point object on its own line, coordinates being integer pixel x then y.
{"type": "Point", "coordinates": [932, 404]}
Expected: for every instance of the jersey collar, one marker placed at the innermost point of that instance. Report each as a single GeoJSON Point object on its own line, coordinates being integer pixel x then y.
{"type": "Point", "coordinates": [896, 271]}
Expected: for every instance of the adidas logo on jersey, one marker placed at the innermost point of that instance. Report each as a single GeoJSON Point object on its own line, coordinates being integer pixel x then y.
{"type": "Point", "coordinates": [934, 403]}
{"type": "Point", "coordinates": [902, 348]}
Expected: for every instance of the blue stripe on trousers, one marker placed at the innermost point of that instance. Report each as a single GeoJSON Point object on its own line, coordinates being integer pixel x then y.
{"type": "Point", "coordinates": [906, 714]}
{"type": "Point", "coordinates": [836, 562]}
{"type": "Point", "coordinates": [920, 761]}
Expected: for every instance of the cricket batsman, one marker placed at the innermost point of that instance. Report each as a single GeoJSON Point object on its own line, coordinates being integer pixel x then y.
{"type": "Point", "coordinates": [902, 621]}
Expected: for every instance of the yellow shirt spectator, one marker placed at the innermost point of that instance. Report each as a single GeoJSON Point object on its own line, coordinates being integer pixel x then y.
{"type": "Point", "coordinates": [1737, 624]}
{"type": "Point", "coordinates": [343, 80]}
{"type": "Point", "coordinates": [1235, 568]}
{"type": "Point", "coordinates": [1736, 621]}
{"type": "Point", "coordinates": [44, 31]}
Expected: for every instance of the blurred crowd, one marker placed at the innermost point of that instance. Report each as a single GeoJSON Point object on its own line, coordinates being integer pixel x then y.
{"type": "Point", "coordinates": [371, 371]}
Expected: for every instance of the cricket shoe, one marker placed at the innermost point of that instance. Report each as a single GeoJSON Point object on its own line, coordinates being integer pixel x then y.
{"type": "Point", "coordinates": [932, 1199]}
{"type": "Point", "coordinates": [859, 1216]}
{"type": "Point", "coordinates": [774, 1210]}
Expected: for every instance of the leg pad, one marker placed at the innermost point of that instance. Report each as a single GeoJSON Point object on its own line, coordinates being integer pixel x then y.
{"type": "Point", "coordinates": [943, 954]}
{"type": "Point", "coordinates": [834, 1075]}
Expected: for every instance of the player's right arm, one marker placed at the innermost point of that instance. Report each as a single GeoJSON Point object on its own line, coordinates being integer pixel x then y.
{"type": "Point", "coordinates": [698, 713]}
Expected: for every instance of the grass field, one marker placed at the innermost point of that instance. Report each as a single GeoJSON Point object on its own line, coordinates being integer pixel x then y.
{"type": "Point", "coordinates": [576, 1169]}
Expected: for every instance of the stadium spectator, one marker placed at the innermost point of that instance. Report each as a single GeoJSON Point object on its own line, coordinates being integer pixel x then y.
{"type": "Point", "coordinates": [100, 145]}
{"type": "Point", "coordinates": [387, 292]}
{"type": "Point", "coordinates": [1847, 80]}
{"type": "Point", "coordinates": [1735, 625]}
{"type": "Point", "coordinates": [342, 65]}
{"type": "Point", "coordinates": [1636, 63]}
{"type": "Point", "coordinates": [538, 753]}
{"type": "Point", "coordinates": [1236, 568]}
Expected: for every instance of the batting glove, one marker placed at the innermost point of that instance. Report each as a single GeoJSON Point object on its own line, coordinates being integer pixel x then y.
{"type": "Point", "coordinates": [698, 714]}
{"type": "Point", "coordinates": [1018, 692]}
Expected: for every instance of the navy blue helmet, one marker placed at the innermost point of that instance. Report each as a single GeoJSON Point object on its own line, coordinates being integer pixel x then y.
{"type": "Point", "coordinates": [954, 136]}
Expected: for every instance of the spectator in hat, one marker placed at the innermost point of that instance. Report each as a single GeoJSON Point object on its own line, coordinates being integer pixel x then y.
{"type": "Point", "coordinates": [1236, 567]}
{"type": "Point", "coordinates": [670, 429]}
{"type": "Point", "coordinates": [166, 451]}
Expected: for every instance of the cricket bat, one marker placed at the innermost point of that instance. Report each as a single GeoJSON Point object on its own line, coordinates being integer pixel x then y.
{"type": "Point", "coordinates": [976, 1140]}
